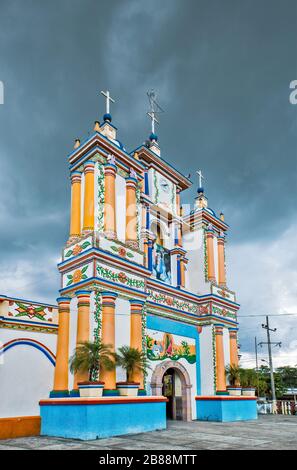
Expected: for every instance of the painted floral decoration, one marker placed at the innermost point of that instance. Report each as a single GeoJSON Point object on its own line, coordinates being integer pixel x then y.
{"type": "Point", "coordinates": [77, 249]}
{"type": "Point", "coordinates": [121, 251]}
{"type": "Point", "coordinates": [123, 277]}
{"type": "Point", "coordinates": [77, 276]}
{"type": "Point", "coordinates": [30, 311]}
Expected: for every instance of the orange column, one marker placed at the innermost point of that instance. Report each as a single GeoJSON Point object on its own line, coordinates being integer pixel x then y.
{"type": "Point", "coordinates": [62, 355]}
{"type": "Point", "coordinates": [89, 208]}
{"type": "Point", "coordinates": [136, 333]}
{"type": "Point", "coordinates": [210, 254]}
{"type": "Point", "coordinates": [75, 229]}
{"type": "Point", "coordinates": [131, 212]}
{"type": "Point", "coordinates": [221, 260]}
{"type": "Point", "coordinates": [233, 347]}
{"type": "Point", "coordinates": [220, 360]}
{"type": "Point", "coordinates": [108, 335]}
{"type": "Point", "coordinates": [83, 327]}
{"type": "Point", "coordinates": [109, 201]}
{"type": "Point", "coordinates": [183, 262]}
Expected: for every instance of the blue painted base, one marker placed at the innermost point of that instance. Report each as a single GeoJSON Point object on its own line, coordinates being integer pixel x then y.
{"type": "Point", "coordinates": [99, 418]}
{"type": "Point", "coordinates": [110, 392]}
{"type": "Point", "coordinates": [226, 408]}
{"type": "Point", "coordinates": [141, 392]}
{"type": "Point", "coordinates": [74, 393]}
{"type": "Point", "coordinates": [59, 393]}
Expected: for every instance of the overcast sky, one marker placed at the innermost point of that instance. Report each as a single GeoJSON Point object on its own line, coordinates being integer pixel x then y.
{"type": "Point", "coordinates": [222, 70]}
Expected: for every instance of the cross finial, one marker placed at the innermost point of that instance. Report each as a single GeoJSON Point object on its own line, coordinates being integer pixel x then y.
{"type": "Point", "coordinates": [109, 100]}
{"type": "Point", "coordinates": [201, 177]}
{"type": "Point", "coordinates": [152, 115]}
{"type": "Point", "coordinates": [155, 109]}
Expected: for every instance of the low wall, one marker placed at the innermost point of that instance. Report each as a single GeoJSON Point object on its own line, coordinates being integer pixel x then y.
{"type": "Point", "coordinates": [226, 408]}
{"type": "Point", "coordinates": [91, 418]}
{"type": "Point", "coordinates": [19, 426]}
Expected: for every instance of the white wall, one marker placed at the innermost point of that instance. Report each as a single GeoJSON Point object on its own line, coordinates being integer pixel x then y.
{"type": "Point", "coordinates": [226, 344]}
{"type": "Point", "coordinates": [122, 330]}
{"type": "Point", "coordinates": [206, 361]}
{"type": "Point", "coordinates": [82, 200]}
{"type": "Point", "coordinates": [121, 207]}
{"type": "Point", "coordinates": [26, 374]}
{"type": "Point", "coordinates": [215, 253]}
{"type": "Point", "coordinates": [193, 243]}
{"type": "Point", "coordinates": [72, 334]}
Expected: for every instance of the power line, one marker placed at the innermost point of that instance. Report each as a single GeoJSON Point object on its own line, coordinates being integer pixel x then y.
{"type": "Point", "coordinates": [270, 315]}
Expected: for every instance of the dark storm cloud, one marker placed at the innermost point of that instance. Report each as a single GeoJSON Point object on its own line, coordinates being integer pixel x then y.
{"type": "Point", "coordinates": [223, 70]}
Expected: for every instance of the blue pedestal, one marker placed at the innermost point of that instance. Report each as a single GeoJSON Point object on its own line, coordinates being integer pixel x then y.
{"type": "Point", "coordinates": [94, 418]}
{"type": "Point", "coordinates": [226, 408]}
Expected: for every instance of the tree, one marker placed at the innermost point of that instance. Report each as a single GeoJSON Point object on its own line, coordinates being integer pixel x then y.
{"type": "Point", "coordinates": [131, 360]}
{"type": "Point", "coordinates": [90, 357]}
{"type": "Point", "coordinates": [233, 374]}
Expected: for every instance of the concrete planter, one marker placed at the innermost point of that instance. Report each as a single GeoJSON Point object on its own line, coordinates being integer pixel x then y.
{"type": "Point", "coordinates": [128, 389]}
{"type": "Point", "coordinates": [90, 389]}
{"type": "Point", "coordinates": [234, 391]}
{"type": "Point", "coordinates": [248, 391]}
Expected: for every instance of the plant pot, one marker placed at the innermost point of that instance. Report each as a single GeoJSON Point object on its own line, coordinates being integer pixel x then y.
{"type": "Point", "coordinates": [128, 389]}
{"type": "Point", "coordinates": [248, 391]}
{"type": "Point", "coordinates": [90, 389]}
{"type": "Point", "coordinates": [234, 391]}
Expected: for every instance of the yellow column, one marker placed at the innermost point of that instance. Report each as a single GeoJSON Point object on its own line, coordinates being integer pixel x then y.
{"type": "Point", "coordinates": [83, 328]}
{"type": "Point", "coordinates": [109, 201]}
{"type": "Point", "coordinates": [131, 212]}
{"type": "Point", "coordinates": [221, 260]}
{"type": "Point", "coordinates": [88, 224]}
{"type": "Point", "coordinates": [233, 347]}
{"type": "Point", "coordinates": [136, 333]}
{"type": "Point", "coordinates": [210, 254]}
{"type": "Point", "coordinates": [75, 229]}
{"type": "Point", "coordinates": [183, 262]}
{"type": "Point", "coordinates": [220, 360]}
{"type": "Point", "coordinates": [62, 355]}
{"type": "Point", "coordinates": [108, 335]}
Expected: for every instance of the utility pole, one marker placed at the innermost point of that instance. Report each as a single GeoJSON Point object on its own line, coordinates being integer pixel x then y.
{"type": "Point", "coordinates": [257, 366]}
{"type": "Point", "coordinates": [269, 343]}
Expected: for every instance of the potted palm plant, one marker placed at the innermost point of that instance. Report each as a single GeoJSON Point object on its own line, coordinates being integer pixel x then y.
{"type": "Point", "coordinates": [233, 375]}
{"type": "Point", "coordinates": [248, 379]}
{"type": "Point", "coordinates": [89, 357]}
{"type": "Point", "coordinates": [132, 360]}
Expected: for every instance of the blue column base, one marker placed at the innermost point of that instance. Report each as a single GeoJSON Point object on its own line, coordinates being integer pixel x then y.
{"type": "Point", "coordinates": [107, 392]}
{"type": "Point", "coordinates": [59, 393]}
{"type": "Point", "coordinates": [142, 392]}
{"type": "Point", "coordinates": [74, 393]}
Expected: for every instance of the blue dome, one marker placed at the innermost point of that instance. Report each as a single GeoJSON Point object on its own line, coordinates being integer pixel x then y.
{"type": "Point", "coordinates": [107, 117]}
{"type": "Point", "coordinates": [200, 190]}
{"type": "Point", "coordinates": [153, 136]}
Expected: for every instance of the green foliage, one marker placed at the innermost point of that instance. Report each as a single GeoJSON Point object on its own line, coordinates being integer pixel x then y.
{"type": "Point", "coordinates": [284, 377]}
{"type": "Point", "coordinates": [90, 357]}
{"type": "Point", "coordinates": [248, 377]}
{"type": "Point", "coordinates": [186, 348]}
{"type": "Point", "coordinates": [149, 342]}
{"type": "Point", "coordinates": [131, 360]}
{"type": "Point", "coordinates": [233, 374]}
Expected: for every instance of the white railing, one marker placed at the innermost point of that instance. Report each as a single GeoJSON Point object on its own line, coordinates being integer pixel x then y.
{"type": "Point", "coordinates": [284, 407]}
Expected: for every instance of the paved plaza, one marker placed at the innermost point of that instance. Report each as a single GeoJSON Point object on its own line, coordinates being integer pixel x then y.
{"type": "Point", "coordinates": [269, 432]}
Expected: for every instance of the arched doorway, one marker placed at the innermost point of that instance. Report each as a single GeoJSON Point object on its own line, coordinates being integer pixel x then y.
{"type": "Point", "coordinates": [172, 379]}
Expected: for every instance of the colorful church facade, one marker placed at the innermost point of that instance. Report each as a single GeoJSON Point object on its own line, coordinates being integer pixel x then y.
{"type": "Point", "coordinates": [138, 270]}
